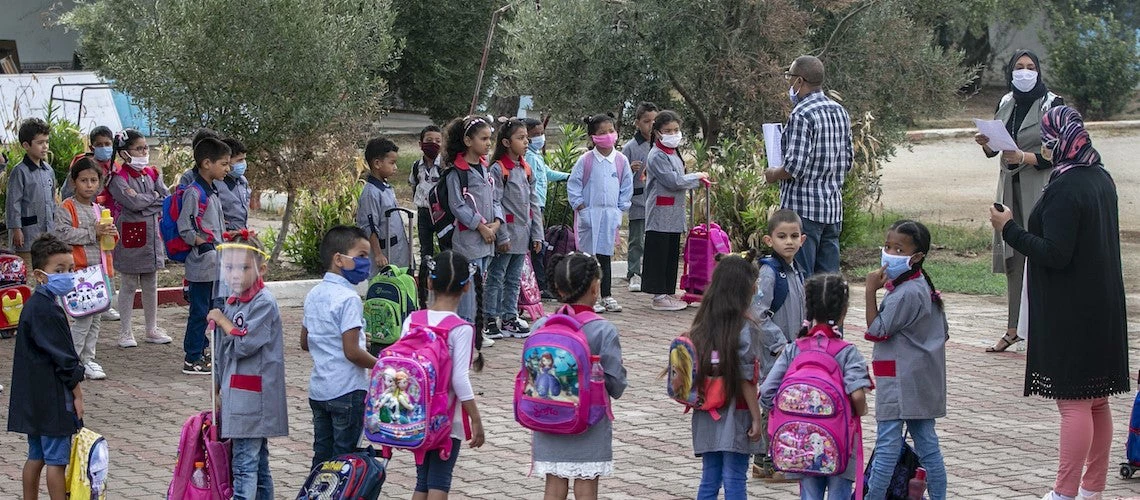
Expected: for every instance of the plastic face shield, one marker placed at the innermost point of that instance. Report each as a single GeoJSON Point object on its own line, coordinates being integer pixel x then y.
{"type": "Point", "coordinates": [239, 268]}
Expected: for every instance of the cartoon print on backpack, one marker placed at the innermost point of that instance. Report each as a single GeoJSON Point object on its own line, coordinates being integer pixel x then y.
{"type": "Point", "coordinates": [552, 374]}
{"type": "Point", "coordinates": [398, 400]}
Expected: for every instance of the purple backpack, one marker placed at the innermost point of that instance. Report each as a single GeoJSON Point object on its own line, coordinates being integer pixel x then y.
{"type": "Point", "coordinates": [560, 388]}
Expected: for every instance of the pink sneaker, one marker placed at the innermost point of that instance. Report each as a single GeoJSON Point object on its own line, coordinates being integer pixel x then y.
{"type": "Point", "coordinates": [158, 336]}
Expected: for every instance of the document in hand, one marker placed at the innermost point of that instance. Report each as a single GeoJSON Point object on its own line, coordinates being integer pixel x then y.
{"type": "Point", "coordinates": [773, 144]}
{"type": "Point", "coordinates": [999, 136]}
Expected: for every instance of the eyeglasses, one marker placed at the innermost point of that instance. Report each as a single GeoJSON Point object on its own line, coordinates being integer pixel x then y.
{"type": "Point", "coordinates": [138, 148]}
{"type": "Point", "coordinates": [789, 75]}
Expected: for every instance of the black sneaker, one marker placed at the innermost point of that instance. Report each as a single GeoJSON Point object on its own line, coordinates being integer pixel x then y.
{"type": "Point", "coordinates": [208, 355]}
{"type": "Point", "coordinates": [548, 296]}
{"type": "Point", "coordinates": [492, 331]}
{"type": "Point", "coordinates": [200, 367]}
{"type": "Point", "coordinates": [512, 328]}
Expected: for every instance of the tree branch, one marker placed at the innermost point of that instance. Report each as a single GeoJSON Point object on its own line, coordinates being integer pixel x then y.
{"type": "Point", "coordinates": [839, 27]}
{"type": "Point", "coordinates": [692, 102]}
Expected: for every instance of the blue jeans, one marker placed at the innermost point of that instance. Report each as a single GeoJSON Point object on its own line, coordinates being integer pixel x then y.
{"type": "Point", "coordinates": [200, 295]}
{"type": "Point", "coordinates": [435, 473]}
{"type": "Point", "coordinates": [251, 469]}
{"type": "Point", "coordinates": [723, 467]}
{"type": "Point", "coordinates": [820, 253]}
{"type": "Point", "coordinates": [467, 303]}
{"type": "Point", "coordinates": [813, 488]}
{"type": "Point", "coordinates": [501, 295]}
{"type": "Point", "coordinates": [887, 448]}
{"type": "Point", "coordinates": [337, 425]}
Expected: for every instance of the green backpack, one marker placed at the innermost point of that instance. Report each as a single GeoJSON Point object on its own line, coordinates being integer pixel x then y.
{"type": "Point", "coordinates": [391, 297]}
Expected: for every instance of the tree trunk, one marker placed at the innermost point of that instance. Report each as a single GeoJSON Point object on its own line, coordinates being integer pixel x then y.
{"type": "Point", "coordinates": [709, 129]}
{"type": "Point", "coordinates": [290, 204]}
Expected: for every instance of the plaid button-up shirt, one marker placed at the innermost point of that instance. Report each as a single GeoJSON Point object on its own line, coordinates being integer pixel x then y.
{"type": "Point", "coordinates": [818, 155]}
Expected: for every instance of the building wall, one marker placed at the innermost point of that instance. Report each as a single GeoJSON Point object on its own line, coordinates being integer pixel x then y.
{"type": "Point", "coordinates": [39, 47]}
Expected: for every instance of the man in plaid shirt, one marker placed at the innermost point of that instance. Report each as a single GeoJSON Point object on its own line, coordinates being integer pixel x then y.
{"type": "Point", "coordinates": [817, 156]}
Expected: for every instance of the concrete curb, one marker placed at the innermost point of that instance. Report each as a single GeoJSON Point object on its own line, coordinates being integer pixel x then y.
{"type": "Point", "coordinates": [958, 133]}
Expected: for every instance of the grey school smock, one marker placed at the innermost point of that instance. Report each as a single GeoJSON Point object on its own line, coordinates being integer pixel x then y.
{"type": "Point", "coordinates": [140, 249]}
{"type": "Point", "coordinates": [909, 359]}
{"type": "Point", "coordinates": [30, 202]}
{"type": "Point", "coordinates": [637, 149]}
{"type": "Point", "coordinates": [519, 201]}
{"type": "Point", "coordinates": [596, 444]}
{"type": "Point", "coordinates": [234, 193]}
{"type": "Point", "coordinates": [665, 192]}
{"type": "Point", "coordinates": [730, 433]}
{"type": "Point", "coordinates": [251, 368]}
{"type": "Point", "coordinates": [478, 206]}
{"type": "Point", "coordinates": [377, 198]}
{"type": "Point", "coordinates": [772, 333]}
{"type": "Point", "coordinates": [208, 224]}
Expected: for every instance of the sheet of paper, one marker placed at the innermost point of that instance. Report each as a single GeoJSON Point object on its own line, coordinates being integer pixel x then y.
{"type": "Point", "coordinates": [773, 145]}
{"type": "Point", "coordinates": [999, 136]}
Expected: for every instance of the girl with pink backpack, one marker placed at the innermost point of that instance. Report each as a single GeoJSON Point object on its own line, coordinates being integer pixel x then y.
{"type": "Point", "coordinates": [820, 448]}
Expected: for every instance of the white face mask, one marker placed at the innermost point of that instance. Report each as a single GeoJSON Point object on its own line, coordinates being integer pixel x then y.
{"type": "Point", "coordinates": [1024, 79]}
{"type": "Point", "coordinates": [671, 140]}
{"type": "Point", "coordinates": [138, 162]}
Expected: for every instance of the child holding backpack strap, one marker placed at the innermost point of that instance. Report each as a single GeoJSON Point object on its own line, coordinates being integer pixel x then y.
{"type": "Point", "coordinates": [587, 456]}
{"type": "Point", "coordinates": [826, 304]}
{"type": "Point", "coordinates": [726, 437]}
{"type": "Point", "coordinates": [909, 332]}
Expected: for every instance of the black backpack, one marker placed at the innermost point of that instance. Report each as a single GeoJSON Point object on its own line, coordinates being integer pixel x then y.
{"type": "Point", "coordinates": [780, 288]}
{"type": "Point", "coordinates": [352, 476]}
{"type": "Point", "coordinates": [439, 203]}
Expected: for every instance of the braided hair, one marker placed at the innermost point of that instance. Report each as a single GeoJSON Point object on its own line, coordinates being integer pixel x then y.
{"type": "Point", "coordinates": [572, 274]}
{"type": "Point", "coordinates": [825, 300]}
{"type": "Point", "coordinates": [920, 236]}
{"type": "Point", "coordinates": [448, 274]}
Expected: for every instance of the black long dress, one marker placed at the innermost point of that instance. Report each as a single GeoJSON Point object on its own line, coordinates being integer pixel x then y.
{"type": "Point", "coordinates": [1078, 331]}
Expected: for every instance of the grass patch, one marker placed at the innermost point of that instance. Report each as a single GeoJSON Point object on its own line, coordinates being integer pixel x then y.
{"type": "Point", "coordinates": [973, 276]}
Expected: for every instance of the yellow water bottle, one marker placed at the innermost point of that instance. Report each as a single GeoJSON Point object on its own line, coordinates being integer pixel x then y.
{"type": "Point", "coordinates": [106, 243]}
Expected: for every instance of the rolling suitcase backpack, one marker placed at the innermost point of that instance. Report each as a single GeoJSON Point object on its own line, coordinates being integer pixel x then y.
{"type": "Point", "coordinates": [702, 245]}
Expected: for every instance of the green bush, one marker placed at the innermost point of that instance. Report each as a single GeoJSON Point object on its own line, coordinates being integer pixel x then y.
{"type": "Point", "coordinates": [741, 200]}
{"type": "Point", "coordinates": [64, 143]}
{"type": "Point", "coordinates": [315, 214]}
{"type": "Point", "coordinates": [562, 159]}
{"type": "Point", "coordinates": [1093, 61]}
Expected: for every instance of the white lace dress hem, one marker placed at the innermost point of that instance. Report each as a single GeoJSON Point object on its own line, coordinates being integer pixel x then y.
{"type": "Point", "coordinates": [574, 470]}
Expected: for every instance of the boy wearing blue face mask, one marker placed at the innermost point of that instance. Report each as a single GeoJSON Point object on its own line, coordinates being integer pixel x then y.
{"type": "Point", "coordinates": [46, 401]}
{"type": "Point", "coordinates": [331, 333]}
{"type": "Point", "coordinates": [909, 332]}
{"type": "Point", "coordinates": [233, 189]}
{"type": "Point", "coordinates": [543, 176]}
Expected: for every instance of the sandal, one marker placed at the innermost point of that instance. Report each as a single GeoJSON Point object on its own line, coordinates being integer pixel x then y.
{"type": "Point", "coordinates": [1004, 343]}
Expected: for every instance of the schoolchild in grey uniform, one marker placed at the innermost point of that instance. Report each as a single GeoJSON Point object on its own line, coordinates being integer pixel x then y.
{"type": "Point", "coordinates": [140, 252]}
{"type": "Point", "coordinates": [725, 443]}
{"type": "Point", "coordinates": [386, 233]}
{"type": "Point", "coordinates": [665, 212]}
{"type": "Point", "coordinates": [909, 360]}
{"type": "Point", "coordinates": [423, 178]}
{"type": "Point", "coordinates": [233, 189]}
{"type": "Point", "coordinates": [201, 229]}
{"type": "Point", "coordinates": [30, 204]}
{"type": "Point", "coordinates": [478, 214]}
{"type": "Point", "coordinates": [522, 232]}
{"type": "Point", "coordinates": [543, 177]}
{"type": "Point", "coordinates": [251, 365]}
{"type": "Point", "coordinates": [827, 298]}
{"type": "Point", "coordinates": [637, 151]}
{"type": "Point", "coordinates": [772, 330]}
{"type": "Point", "coordinates": [588, 456]}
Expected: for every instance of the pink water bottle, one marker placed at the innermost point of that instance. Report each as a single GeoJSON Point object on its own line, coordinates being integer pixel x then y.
{"type": "Point", "coordinates": [597, 373]}
{"type": "Point", "coordinates": [916, 487]}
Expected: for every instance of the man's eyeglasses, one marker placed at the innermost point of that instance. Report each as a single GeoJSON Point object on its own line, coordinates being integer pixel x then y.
{"type": "Point", "coordinates": [789, 75]}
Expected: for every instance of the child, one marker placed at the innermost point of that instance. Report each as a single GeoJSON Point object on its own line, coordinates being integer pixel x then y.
{"type": "Point", "coordinates": [101, 146]}
{"type": "Point", "coordinates": [725, 444]}
{"type": "Point", "coordinates": [385, 231]}
{"type": "Point", "coordinates": [471, 196]}
{"type": "Point", "coordinates": [77, 223]}
{"type": "Point", "coordinates": [46, 400]}
{"type": "Point", "coordinates": [448, 277]}
{"type": "Point", "coordinates": [331, 333]}
{"type": "Point", "coordinates": [202, 228]}
{"type": "Point", "coordinates": [775, 325]}
{"type": "Point", "coordinates": [665, 212]}
{"type": "Point", "coordinates": [187, 177]}
{"type": "Point", "coordinates": [588, 456]}
{"type": "Point", "coordinates": [423, 178]}
{"type": "Point", "coordinates": [826, 303]}
{"type": "Point", "coordinates": [909, 332]}
{"type": "Point", "coordinates": [140, 253]}
{"type": "Point", "coordinates": [599, 200]}
{"type": "Point", "coordinates": [251, 365]}
{"type": "Point", "coordinates": [233, 189]}
{"type": "Point", "coordinates": [522, 233]}
{"type": "Point", "coordinates": [536, 132]}
{"type": "Point", "coordinates": [31, 190]}
{"type": "Point", "coordinates": [636, 151]}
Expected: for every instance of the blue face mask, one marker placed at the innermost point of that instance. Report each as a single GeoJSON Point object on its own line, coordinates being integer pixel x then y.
{"type": "Point", "coordinates": [896, 264]}
{"type": "Point", "coordinates": [60, 283]}
{"type": "Point", "coordinates": [237, 169]}
{"type": "Point", "coordinates": [359, 273]}
{"type": "Point", "coordinates": [104, 153]}
{"type": "Point", "coordinates": [792, 95]}
{"type": "Point", "coordinates": [537, 142]}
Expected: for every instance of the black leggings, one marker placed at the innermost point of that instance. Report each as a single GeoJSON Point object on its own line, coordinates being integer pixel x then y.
{"type": "Point", "coordinates": [659, 265]}
{"type": "Point", "coordinates": [426, 236]}
{"type": "Point", "coordinates": [607, 274]}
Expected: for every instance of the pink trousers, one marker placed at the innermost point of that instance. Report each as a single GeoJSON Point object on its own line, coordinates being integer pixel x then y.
{"type": "Point", "coordinates": [1086, 441]}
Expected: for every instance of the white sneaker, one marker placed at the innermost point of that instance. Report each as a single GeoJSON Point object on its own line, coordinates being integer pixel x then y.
{"type": "Point", "coordinates": [611, 305]}
{"type": "Point", "coordinates": [668, 303]}
{"type": "Point", "coordinates": [127, 340]}
{"type": "Point", "coordinates": [93, 371]}
{"type": "Point", "coordinates": [1052, 495]}
{"type": "Point", "coordinates": [488, 342]}
{"type": "Point", "coordinates": [635, 283]}
{"type": "Point", "coordinates": [1083, 494]}
{"type": "Point", "coordinates": [110, 315]}
{"type": "Point", "coordinates": [598, 307]}
{"type": "Point", "coordinates": [158, 336]}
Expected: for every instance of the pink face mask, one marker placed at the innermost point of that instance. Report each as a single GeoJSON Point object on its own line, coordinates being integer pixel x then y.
{"type": "Point", "coordinates": [605, 141]}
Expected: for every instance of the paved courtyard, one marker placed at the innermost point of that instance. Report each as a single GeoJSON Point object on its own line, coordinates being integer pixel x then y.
{"type": "Point", "coordinates": [997, 443]}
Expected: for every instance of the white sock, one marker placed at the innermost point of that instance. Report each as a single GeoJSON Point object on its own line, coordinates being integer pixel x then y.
{"type": "Point", "coordinates": [659, 296]}
{"type": "Point", "coordinates": [1086, 493]}
{"type": "Point", "coordinates": [1058, 496]}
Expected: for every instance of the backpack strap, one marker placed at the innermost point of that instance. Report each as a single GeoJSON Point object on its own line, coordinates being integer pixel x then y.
{"type": "Point", "coordinates": [821, 342]}
{"type": "Point", "coordinates": [780, 288]}
{"type": "Point", "coordinates": [77, 251]}
{"type": "Point", "coordinates": [203, 201]}
{"type": "Point", "coordinates": [588, 166]}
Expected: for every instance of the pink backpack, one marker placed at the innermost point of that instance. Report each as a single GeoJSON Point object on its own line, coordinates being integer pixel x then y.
{"type": "Point", "coordinates": [409, 405]}
{"type": "Point", "coordinates": [561, 388]}
{"type": "Point", "coordinates": [530, 296]}
{"type": "Point", "coordinates": [702, 245]}
{"type": "Point", "coordinates": [812, 427]}
{"type": "Point", "coordinates": [200, 443]}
